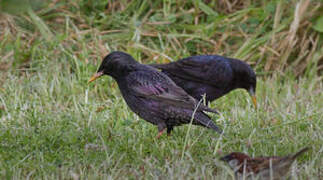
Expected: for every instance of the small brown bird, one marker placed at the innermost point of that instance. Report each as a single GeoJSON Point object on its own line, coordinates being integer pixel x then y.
{"type": "Point", "coordinates": [273, 167]}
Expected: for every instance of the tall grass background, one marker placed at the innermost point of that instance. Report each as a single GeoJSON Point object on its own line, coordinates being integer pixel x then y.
{"type": "Point", "coordinates": [56, 126]}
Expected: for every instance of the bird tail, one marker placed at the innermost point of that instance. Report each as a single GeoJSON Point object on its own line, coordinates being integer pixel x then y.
{"type": "Point", "coordinates": [204, 120]}
{"type": "Point", "coordinates": [300, 152]}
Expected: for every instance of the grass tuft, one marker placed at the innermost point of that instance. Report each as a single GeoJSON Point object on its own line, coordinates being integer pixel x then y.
{"type": "Point", "coordinates": [56, 126]}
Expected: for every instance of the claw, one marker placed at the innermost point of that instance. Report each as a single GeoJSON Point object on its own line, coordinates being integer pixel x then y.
{"type": "Point", "coordinates": [160, 133]}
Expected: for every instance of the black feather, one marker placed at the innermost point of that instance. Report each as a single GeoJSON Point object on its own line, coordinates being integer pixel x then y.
{"type": "Point", "coordinates": [153, 95]}
{"type": "Point", "coordinates": [212, 75]}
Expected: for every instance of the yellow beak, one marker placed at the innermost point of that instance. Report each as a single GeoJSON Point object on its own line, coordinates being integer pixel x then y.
{"type": "Point", "coordinates": [254, 100]}
{"type": "Point", "coordinates": [253, 96]}
{"type": "Point", "coordinates": [95, 76]}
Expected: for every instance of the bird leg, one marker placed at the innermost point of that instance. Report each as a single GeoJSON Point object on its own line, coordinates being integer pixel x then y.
{"type": "Point", "coordinates": [169, 130]}
{"type": "Point", "coordinates": [161, 129]}
{"type": "Point", "coordinates": [160, 133]}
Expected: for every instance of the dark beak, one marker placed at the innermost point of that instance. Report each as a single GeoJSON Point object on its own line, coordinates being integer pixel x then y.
{"type": "Point", "coordinates": [225, 158]}
{"type": "Point", "coordinates": [253, 96]}
{"type": "Point", "coordinates": [95, 76]}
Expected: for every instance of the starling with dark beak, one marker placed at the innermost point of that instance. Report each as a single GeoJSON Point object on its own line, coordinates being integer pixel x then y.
{"type": "Point", "coordinates": [211, 75]}
{"type": "Point", "coordinates": [152, 95]}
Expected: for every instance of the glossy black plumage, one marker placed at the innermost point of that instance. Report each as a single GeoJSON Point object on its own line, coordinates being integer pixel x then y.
{"type": "Point", "coordinates": [153, 95]}
{"type": "Point", "coordinates": [212, 75]}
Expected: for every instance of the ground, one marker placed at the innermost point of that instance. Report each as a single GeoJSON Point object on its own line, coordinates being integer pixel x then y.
{"type": "Point", "coordinates": [56, 126]}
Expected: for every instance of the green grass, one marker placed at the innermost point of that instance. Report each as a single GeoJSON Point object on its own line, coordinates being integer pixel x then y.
{"type": "Point", "coordinates": [49, 127]}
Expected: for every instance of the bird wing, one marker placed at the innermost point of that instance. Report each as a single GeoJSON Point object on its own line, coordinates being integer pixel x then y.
{"type": "Point", "coordinates": [261, 163]}
{"type": "Point", "coordinates": [212, 70]}
{"type": "Point", "coordinates": [156, 85]}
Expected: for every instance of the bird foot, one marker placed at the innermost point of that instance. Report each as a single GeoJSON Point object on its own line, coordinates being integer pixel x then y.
{"type": "Point", "coordinates": [160, 133]}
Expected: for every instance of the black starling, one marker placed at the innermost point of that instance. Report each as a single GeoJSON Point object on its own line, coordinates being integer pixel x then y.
{"type": "Point", "coordinates": [212, 75]}
{"type": "Point", "coordinates": [152, 95]}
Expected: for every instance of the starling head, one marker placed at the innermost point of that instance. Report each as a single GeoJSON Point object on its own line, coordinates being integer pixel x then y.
{"type": "Point", "coordinates": [114, 64]}
{"type": "Point", "coordinates": [245, 78]}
